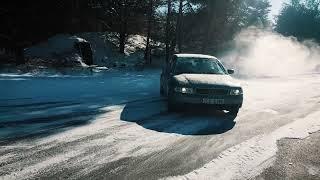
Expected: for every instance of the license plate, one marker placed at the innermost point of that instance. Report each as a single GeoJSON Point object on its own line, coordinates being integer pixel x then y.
{"type": "Point", "coordinates": [213, 101]}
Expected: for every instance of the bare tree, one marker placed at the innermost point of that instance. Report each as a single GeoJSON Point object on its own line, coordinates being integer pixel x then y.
{"type": "Point", "coordinates": [179, 26]}
{"type": "Point", "coordinates": [210, 19]}
{"type": "Point", "coordinates": [147, 56]}
{"type": "Point", "coordinates": [123, 24]}
{"type": "Point", "coordinates": [168, 29]}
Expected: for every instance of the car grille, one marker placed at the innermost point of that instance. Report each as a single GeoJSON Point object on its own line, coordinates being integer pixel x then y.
{"type": "Point", "coordinates": [216, 92]}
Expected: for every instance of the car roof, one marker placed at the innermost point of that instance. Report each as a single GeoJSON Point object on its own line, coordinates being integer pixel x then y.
{"type": "Point", "coordinates": [195, 56]}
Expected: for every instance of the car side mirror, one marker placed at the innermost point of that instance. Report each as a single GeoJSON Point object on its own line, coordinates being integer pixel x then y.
{"type": "Point", "coordinates": [230, 71]}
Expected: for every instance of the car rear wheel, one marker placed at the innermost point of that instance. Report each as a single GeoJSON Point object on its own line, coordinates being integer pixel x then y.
{"type": "Point", "coordinates": [171, 107]}
{"type": "Point", "coordinates": [161, 91]}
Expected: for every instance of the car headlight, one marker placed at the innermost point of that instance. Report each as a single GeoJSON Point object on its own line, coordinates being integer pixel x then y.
{"type": "Point", "coordinates": [236, 92]}
{"type": "Point", "coordinates": [184, 90]}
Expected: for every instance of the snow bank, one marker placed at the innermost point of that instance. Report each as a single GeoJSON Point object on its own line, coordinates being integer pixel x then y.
{"type": "Point", "coordinates": [103, 48]}
{"type": "Point", "coordinates": [135, 43]}
{"type": "Point", "coordinates": [106, 46]}
{"type": "Point", "coordinates": [60, 49]}
{"type": "Point", "coordinates": [134, 51]}
{"type": "Point", "coordinates": [58, 44]}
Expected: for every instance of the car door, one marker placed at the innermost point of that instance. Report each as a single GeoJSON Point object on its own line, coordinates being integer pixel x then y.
{"type": "Point", "coordinates": [162, 78]}
{"type": "Point", "coordinates": [168, 73]}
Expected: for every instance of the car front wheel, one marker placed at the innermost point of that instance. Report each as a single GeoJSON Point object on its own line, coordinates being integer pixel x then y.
{"type": "Point", "coordinates": [172, 107]}
{"type": "Point", "coordinates": [161, 91]}
{"type": "Point", "coordinates": [234, 111]}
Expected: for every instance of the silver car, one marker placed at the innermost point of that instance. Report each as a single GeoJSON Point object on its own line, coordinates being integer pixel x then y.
{"type": "Point", "coordinates": [194, 79]}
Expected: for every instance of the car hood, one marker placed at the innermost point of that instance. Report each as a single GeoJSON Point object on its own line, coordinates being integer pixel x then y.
{"type": "Point", "coordinates": [206, 80]}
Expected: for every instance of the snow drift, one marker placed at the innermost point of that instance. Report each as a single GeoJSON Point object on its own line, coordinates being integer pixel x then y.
{"type": "Point", "coordinates": [61, 49]}
{"type": "Point", "coordinates": [54, 45]}
{"type": "Point", "coordinates": [262, 53]}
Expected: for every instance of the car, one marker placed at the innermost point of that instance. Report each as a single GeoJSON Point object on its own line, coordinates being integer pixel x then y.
{"type": "Point", "coordinates": [195, 79]}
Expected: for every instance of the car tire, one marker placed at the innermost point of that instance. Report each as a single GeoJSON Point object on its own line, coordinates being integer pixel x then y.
{"type": "Point", "coordinates": [172, 107]}
{"type": "Point", "coordinates": [234, 111]}
{"type": "Point", "coordinates": [161, 91]}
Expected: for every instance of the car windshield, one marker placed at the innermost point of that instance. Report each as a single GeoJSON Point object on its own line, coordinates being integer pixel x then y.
{"type": "Point", "coordinates": [198, 66]}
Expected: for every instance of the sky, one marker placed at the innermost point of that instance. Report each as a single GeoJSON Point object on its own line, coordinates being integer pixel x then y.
{"type": "Point", "coordinates": [276, 7]}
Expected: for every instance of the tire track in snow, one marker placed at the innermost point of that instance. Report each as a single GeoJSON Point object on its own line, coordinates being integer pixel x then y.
{"type": "Point", "coordinates": [108, 140]}
{"type": "Point", "coordinates": [117, 140]}
{"type": "Point", "coordinates": [248, 159]}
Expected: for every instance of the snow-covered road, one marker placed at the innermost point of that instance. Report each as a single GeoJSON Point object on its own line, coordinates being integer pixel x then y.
{"type": "Point", "coordinates": [115, 126]}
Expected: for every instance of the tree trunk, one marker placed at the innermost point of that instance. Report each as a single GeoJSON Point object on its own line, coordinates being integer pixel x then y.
{"type": "Point", "coordinates": [19, 55]}
{"type": "Point", "coordinates": [123, 25]}
{"type": "Point", "coordinates": [168, 25]}
{"type": "Point", "coordinates": [147, 55]}
{"type": "Point", "coordinates": [210, 13]}
{"type": "Point", "coordinates": [179, 27]}
{"type": "Point", "coordinates": [172, 45]}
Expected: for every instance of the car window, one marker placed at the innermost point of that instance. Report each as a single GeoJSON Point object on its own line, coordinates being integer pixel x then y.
{"type": "Point", "coordinates": [222, 67]}
{"type": "Point", "coordinates": [198, 66]}
{"type": "Point", "coordinates": [172, 63]}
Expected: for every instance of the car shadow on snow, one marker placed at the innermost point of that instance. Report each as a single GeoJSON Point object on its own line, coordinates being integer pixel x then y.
{"type": "Point", "coordinates": [193, 121]}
